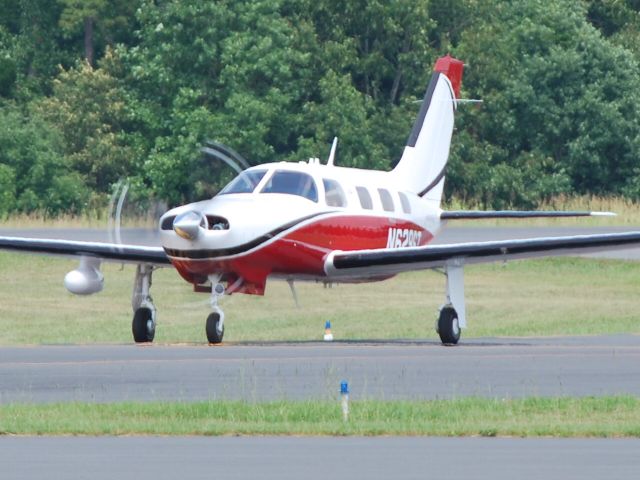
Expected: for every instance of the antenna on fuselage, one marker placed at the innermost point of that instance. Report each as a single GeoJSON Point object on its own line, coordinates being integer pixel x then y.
{"type": "Point", "coordinates": [332, 153]}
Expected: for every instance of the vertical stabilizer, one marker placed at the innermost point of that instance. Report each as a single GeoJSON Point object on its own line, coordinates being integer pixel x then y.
{"type": "Point", "coordinates": [422, 166]}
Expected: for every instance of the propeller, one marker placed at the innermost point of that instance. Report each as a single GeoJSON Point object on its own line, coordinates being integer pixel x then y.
{"type": "Point", "coordinates": [115, 211]}
{"type": "Point", "coordinates": [225, 154]}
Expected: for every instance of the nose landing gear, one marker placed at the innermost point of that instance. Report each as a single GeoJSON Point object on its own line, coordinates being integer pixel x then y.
{"type": "Point", "coordinates": [215, 320]}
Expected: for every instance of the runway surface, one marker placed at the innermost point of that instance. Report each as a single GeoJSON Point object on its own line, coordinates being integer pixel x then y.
{"type": "Point", "coordinates": [285, 458]}
{"type": "Point", "coordinates": [496, 368]}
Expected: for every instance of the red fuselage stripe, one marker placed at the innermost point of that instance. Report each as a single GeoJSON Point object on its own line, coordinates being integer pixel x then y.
{"type": "Point", "coordinates": [303, 249]}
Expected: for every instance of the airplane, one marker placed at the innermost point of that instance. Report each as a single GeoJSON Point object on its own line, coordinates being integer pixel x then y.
{"type": "Point", "coordinates": [324, 223]}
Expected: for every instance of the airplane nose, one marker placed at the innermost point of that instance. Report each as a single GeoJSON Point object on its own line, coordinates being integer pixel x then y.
{"type": "Point", "coordinates": [188, 224]}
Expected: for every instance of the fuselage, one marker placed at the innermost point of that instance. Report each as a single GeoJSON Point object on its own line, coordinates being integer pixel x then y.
{"type": "Point", "coordinates": [283, 219]}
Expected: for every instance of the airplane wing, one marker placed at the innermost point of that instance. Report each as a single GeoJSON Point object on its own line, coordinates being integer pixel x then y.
{"type": "Point", "coordinates": [391, 261]}
{"type": "Point", "coordinates": [109, 252]}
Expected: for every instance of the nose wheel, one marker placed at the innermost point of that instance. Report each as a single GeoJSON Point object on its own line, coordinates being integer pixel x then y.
{"type": "Point", "coordinates": [215, 327]}
{"type": "Point", "coordinates": [215, 321]}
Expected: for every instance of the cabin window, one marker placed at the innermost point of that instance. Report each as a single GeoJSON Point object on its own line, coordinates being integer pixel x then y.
{"type": "Point", "coordinates": [292, 183]}
{"type": "Point", "coordinates": [365, 198]}
{"type": "Point", "coordinates": [333, 193]}
{"type": "Point", "coordinates": [246, 182]}
{"type": "Point", "coordinates": [404, 201]}
{"type": "Point", "coordinates": [385, 198]}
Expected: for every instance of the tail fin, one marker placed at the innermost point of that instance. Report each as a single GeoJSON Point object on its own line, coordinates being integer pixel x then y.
{"type": "Point", "coordinates": [422, 166]}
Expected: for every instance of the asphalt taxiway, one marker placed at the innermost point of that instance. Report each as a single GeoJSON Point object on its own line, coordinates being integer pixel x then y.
{"type": "Point", "coordinates": [496, 368]}
{"type": "Point", "coordinates": [317, 458]}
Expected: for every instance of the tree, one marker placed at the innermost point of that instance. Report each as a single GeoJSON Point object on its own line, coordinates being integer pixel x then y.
{"type": "Point", "coordinates": [8, 67]}
{"type": "Point", "coordinates": [619, 21]}
{"type": "Point", "coordinates": [383, 45]}
{"type": "Point", "coordinates": [33, 172]}
{"type": "Point", "coordinates": [38, 52]}
{"type": "Point", "coordinates": [560, 102]}
{"type": "Point", "coordinates": [235, 73]}
{"type": "Point", "coordinates": [102, 22]}
{"type": "Point", "coordinates": [268, 78]}
{"type": "Point", "coordinates": [92, 112]}
{"type": "Point", "coordinates": [85, 13]}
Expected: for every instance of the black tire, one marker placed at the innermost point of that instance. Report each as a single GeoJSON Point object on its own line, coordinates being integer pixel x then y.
{"type": "Point", "coordinates": [143, 325]}
{"type": "Point", "coordinates": [448, 326]}
{"type": "Point", "coordinates": [212, 328]}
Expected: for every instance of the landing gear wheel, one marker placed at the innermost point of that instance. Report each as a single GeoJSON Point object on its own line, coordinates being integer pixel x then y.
{"type": "Point", "coordinates": [214, 332]}
{"type": "Point", "coordinates": [143, 325]}
{"type": "Point", "coordinates": [448, 327]}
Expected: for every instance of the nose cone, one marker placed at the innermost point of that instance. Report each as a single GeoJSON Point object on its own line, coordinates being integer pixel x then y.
{"type": "Point", "coordinates": [188, 224]}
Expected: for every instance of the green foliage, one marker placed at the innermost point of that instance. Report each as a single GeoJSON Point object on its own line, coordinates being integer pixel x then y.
{"type": "Point", "coordinates": [7, 76]}
{"type": "Point", "coordinates": [10, 18]}
{"type": "Point", "coordinates": [341, 110]}
{"type": "Point", "coordinates": [41, 47]}
{"type": "Point", "coordinates": [75, 12]}
{"type": "Point", "coordinates": [560, 101]}
{"type": "Point", "coordinates": [89, 108]}
{"type": "Point", "coordinates": [32, 168]}
{"type": "Point", "coordinates": [8, 67]}
{"type": "Point", "coordinates": [7, 189]}
{"type": "Point", "coordinates": [104, 22]}
{"type": "Point", "coordinates": [278, 79]}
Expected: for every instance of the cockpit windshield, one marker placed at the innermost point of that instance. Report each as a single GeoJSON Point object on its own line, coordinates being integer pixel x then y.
{"type": "Point", "coordinates": [292, 183]}
{"type": "Point", "coordinates": [246, 182]}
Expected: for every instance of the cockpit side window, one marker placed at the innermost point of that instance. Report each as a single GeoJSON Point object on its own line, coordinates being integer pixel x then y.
{"type": "Point", "coordinates": [246, 182]}
{"type": "Point", "coordinates": [333, 193]}
{"type": "Point", "coordinates": [292, 183]}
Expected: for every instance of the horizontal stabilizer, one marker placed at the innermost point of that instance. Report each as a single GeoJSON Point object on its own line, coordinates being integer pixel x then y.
{"type": "Point", "coordinates": [481, 214]}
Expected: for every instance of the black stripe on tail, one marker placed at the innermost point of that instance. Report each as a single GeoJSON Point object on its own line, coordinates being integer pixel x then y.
{"type": "Point", "coordinates": [424, 108]}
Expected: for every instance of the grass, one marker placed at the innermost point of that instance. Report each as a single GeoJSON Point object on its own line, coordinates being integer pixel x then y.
{"type": "Point", "coordinates": [92, 219]}
{"type": "Point", "coordinates": [531, 417]}
{"type": "Point", "coordinates": [560, 296]}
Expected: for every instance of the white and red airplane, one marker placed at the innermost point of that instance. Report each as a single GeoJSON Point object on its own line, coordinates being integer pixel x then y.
{"type": "Point", "coordinates": [309, 221]}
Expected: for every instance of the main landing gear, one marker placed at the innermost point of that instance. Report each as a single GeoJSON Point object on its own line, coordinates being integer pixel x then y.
{"type": "Point", "coordinates": [144, 312]}
{"type": "Point", "coordinates": [215, 320]}
{"type": "Point", "coordinates": [448, 325]}
{"type": "Point", "coordinates": [452, 314]}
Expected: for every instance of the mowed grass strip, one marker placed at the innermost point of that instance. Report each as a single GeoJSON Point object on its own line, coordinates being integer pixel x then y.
{"type": "Point", "coordinates": [531, 417]}
{"type": "Point", "coordinates": [558, 296]}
